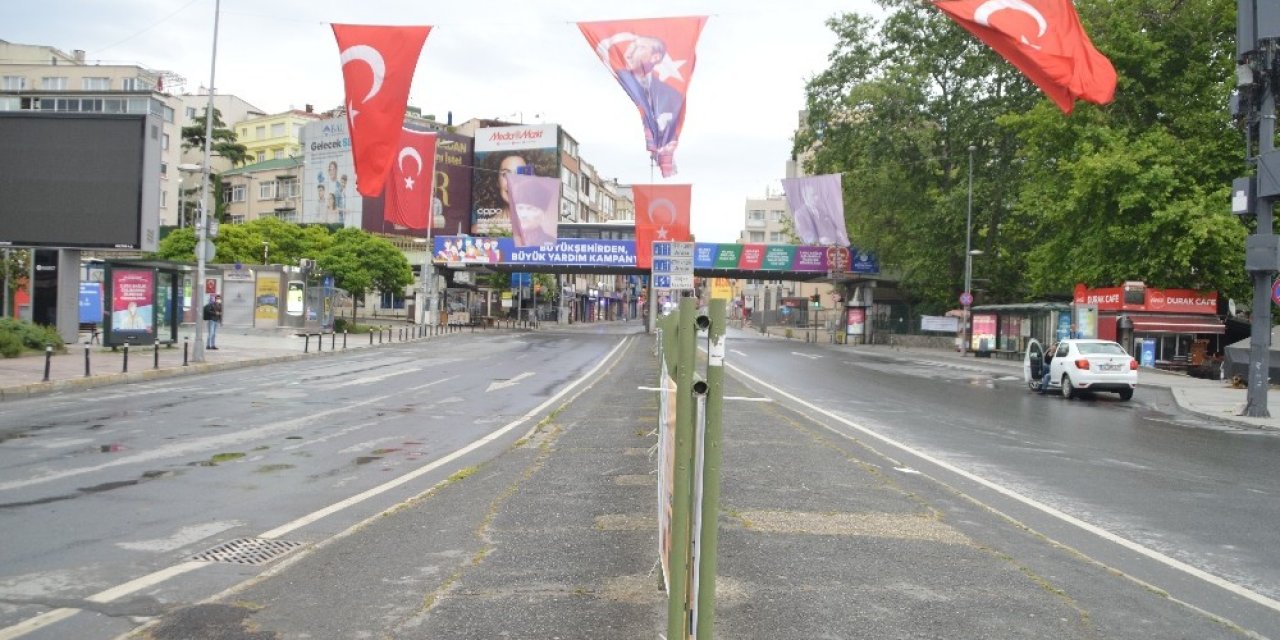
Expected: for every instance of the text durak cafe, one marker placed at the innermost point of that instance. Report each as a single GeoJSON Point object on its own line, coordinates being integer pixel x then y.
{"type": "Point", "coordinates": [1167, 315]}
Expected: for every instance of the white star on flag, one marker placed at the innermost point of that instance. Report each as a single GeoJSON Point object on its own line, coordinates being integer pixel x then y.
{"type": "Point", "coordinates": [662, 233]}
{"type": "Point", "coordinates": [668, 68]}
{"type": "Point", "coordinates": [408, 182]}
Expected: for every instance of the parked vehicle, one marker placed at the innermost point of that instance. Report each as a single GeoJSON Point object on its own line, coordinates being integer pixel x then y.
{"type": "Point", "coordinates": [1081, 366]}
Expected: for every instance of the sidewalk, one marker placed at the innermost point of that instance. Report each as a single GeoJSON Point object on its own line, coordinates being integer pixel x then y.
{"type": "Point", "coordinates": [1210, 398]}
{"type": "Point", "coordinates": [820, 537]}
{"type": "Point", "coordinates": [237, 347]}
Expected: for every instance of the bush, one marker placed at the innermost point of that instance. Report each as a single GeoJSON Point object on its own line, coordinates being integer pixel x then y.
{"type": "Point", "coordinates": [342, 324]}
{"type": "Point", "coordinates": [10, 345]}
{"type": "Point", "coordinates": [31, 336]}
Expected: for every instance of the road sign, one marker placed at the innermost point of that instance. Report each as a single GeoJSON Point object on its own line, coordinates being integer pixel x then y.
{"type": "Point", "coordinates": [1275, 291]}
{"type": "Point", "coordinates": [209, 249]}
{"type": "Point", "coordinates": [673, 265]}
{"type": "Point", "coordinates": [966, 299]}
{"type": "Point", "coordinates": [673, 281]}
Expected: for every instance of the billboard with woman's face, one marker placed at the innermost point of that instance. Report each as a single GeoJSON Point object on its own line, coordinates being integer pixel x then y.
{"type": "Point", "coordinates": [501, 151]}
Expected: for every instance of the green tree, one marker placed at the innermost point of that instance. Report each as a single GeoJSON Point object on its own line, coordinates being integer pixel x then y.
{"type": "Point", "coordinates": [361, 262]}
{"type": "Point", "coordinates": [286, 243]}
{"type": "Point", "coordinates": [1138, 190]}
{"type": "Point", "coordinates": [1131, 190]}
{"type": "Point", "coordinates": [225, 144]}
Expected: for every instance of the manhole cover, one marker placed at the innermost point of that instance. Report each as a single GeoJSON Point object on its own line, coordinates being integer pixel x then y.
{"type": "Point", "coordinates": [247, 551]}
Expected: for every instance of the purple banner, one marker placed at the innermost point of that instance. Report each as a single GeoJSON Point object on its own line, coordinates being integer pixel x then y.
{"type": "Point", "coordinates": [817, 209]}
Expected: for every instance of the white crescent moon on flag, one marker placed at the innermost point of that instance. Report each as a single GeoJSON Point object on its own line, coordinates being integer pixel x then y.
{"type": "Point", "coordinates": [983, 14]}
{"type": "Point", "coordinates": [371, 57]}
{"type": "Point", "coordinates": [602, 49]}
{"type": "Point", "coordinates": [410, 152]}
{"type": "Point", "coordinates": [664, 204]}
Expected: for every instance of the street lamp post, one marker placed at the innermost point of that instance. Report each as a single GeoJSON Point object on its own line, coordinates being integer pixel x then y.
{"type": "Point", "coordinates": [968, 261]}
{"type": "Point", "coordinates": [203, 219]}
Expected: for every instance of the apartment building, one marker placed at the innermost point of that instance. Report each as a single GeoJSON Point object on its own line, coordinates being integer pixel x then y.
{"type": "Point", "coordinates": [44, 78]}
{"type": "Point", "coordinates": [274, 137]}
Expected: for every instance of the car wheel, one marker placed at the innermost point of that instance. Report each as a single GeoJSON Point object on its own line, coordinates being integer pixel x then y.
{"type": "Point", "coordinates": [1068, 391]}
{"type": "Point", "coordinates": [1126, 394]}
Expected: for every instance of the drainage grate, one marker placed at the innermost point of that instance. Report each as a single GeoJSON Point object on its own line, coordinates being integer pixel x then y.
{"type": "Point", "coordinates": [247, 551]}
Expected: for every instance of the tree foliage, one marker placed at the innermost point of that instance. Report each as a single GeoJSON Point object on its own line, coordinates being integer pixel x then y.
{"type": "Point", "coordinates": [1132, 190]}
{"type": "Point", "coordinates": [286, 243]}
{"type": "Point", "coordinates": [361, 262]}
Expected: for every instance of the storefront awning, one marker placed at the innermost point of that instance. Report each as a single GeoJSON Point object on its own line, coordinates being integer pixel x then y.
{"type": "Point", "coordinates": [1177, 324]}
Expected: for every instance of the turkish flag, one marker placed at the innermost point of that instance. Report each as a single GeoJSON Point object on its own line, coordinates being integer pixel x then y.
{"type": "Point", "coordinates": [1045, 41]}
{"type": "Point", "coordinates": [377, 68]}
{"type": "Point", "coordinates": [653, 60]}
{"type": "Point", "coordinates": [662, 215]}
{"type": "Point", "coordinates": [408, 201]}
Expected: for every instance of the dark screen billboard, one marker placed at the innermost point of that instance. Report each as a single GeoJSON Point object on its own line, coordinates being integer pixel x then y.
{"type": "Point", "coordinates": [79, 180]}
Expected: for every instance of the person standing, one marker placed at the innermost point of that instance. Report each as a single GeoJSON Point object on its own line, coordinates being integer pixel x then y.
{"type": "Point", "coordinates": [213, 316]}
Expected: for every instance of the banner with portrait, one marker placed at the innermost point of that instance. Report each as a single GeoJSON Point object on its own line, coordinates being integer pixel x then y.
{"type": "Point", "coordinates": [500, 152]}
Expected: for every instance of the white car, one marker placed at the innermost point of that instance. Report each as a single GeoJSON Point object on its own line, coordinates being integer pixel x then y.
{"type": "Point", "coordinates": [1080, 365]}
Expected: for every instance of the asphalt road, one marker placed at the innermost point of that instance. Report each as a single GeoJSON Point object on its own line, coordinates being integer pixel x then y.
{"type": "Point", "coordinates": [106, 496]}
{"type": "Point", "coordinates": [123, 485]}
{"type": "Point", "coordinates": [1174, 499]}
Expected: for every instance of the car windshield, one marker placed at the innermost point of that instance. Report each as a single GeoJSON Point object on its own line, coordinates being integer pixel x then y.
{"type": "Point", "coordinates": [1101, 348]}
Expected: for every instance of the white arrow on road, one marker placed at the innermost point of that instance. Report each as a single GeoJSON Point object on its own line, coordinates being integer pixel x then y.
{"type": "Point", "coordinates": [502, 384]}
{"type": "Point", "coordinates": [811, 356]}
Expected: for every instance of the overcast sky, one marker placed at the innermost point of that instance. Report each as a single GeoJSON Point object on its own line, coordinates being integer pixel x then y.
{"type": "Point", "coordinates": [495, 59]}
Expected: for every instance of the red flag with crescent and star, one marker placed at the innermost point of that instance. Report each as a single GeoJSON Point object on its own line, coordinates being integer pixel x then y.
{"type": "Point", "coordinates": [653, 60]}
{"type": "Point", "coordinates": [1045, 41]}
{"type": "Point", "coordinates": [662, 215]}
{"type": "Point", "coordinates": [377, 68]}
{"type": "Point", "coordinates": [408, 198]}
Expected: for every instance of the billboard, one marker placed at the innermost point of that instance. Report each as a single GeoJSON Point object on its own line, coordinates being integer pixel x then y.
{"type": "Point", "coordinates": [532, 149]}
{"type": "Point", "coordinates": [80, 180]}
{"type": "Point", "coordinates": [452, 200]}
{"type": "Point", "coordinates": [329, 193]}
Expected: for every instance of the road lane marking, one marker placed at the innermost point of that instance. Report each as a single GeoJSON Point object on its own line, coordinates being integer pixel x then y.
{"type": "Point", "coordinates": [198, 445]}
{"type": "Point", "coordinates": [1170, 562]}
{"type": "Point", "coordinates": [432, 466]}
{"type": "Point", "coordinates": [50, 617]}
{"type": "Point", "coordinates": [811, 356]}
{"type": "Point", "coordinates": [503, 384]}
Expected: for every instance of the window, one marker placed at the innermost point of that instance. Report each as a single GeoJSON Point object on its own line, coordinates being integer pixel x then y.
{"type": "Point", "coordinates": [777, 216]}
{"type": "Point", "coordinates": [96, 84]}
{"type": "Point", "coordinates": [53, 83]}
{"type": "Point", "coordinates": [14, 83]}
{"type": "Point", "coordinates": [287, 215]}
{"type": "Point", "coordinates": [288, 188]}
{"type": "Point", "coordinates": [237, 193]}
{"type": "Point", "coordinates": [392, 300]}
{"type": "Point", "coordinates": [244, 133]}
{"type": "Point", "coordinates": [755, 215]}
{"type": "Point", "coordinates": [262, 156]}
{"type": "Point", "coordinates": [755, 236]}
{"type": "Point", "coordinates": [776, 236]}
{"type": "Point", "coordinates": [277, 130]}
{"type": "Point", "coordinates": [277, 154]}
{"type": "Point", "coordinates": [297, 131]}
{"type": "Point", "coordinates": [134, 84]}
{"type": "Point", "coordinates": [164, 168]}
{"type": "Point", "coordinates": [191, 113]}
{"type": "Point", "coordinates": [164, 199]}
{"type": "Point", "coordinates": [266, 190]}
{"type": "Point", "coordinates": [8, 103]}
{"type": "Point", "coordinates": [260, 132]}
{"type": "Point", "coordinates": [164, 141]}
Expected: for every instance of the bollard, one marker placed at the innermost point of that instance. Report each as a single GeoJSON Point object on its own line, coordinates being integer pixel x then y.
{"type": "Point", "coordinates": [333, 340]}
{"type": "Point", "coordinates": [379, 335]}
{"type": "Point", "coordinates": [48, 356]}
{"type": "Point", "coordinates": [344, 338]}
{"type": "Point", "coordinates": [306, 342]}
{"type": "Point", "coordinates": [126, 358]}
{"type": "Point", "coordinates": [320, 341]}
{"type": "Point", "coordinates": [186, 348]}
{"type": "Point", "coordinates": [155, 359]}
{"type": "Point", "coordinates": [86, 359]}
{"type": "Point", "coordinates": [370, 337]}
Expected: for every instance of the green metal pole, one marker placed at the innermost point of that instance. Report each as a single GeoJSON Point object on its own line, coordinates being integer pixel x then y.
{"type": "Point", "coordinates": [711, 459]}
{"type": "Point", "coordinates": [681, 510]}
